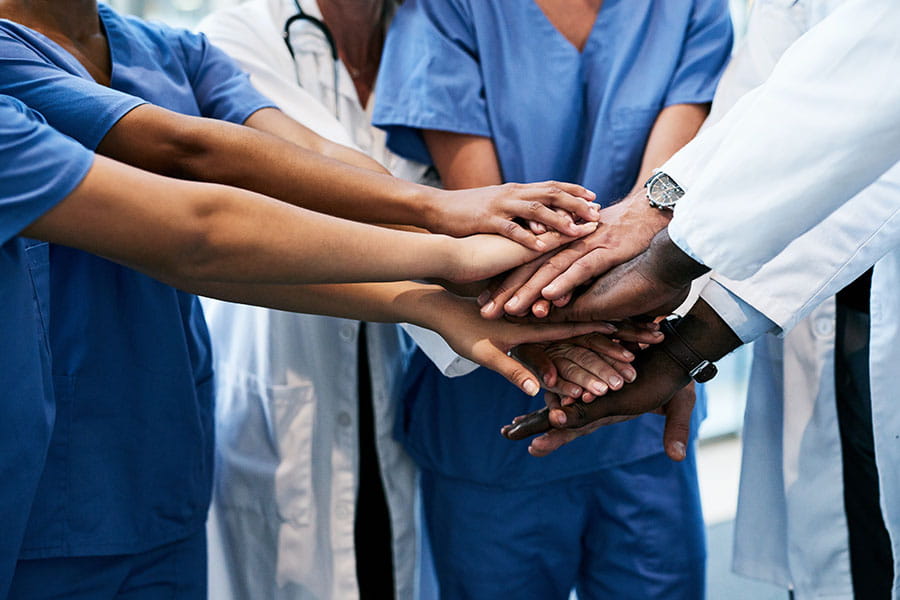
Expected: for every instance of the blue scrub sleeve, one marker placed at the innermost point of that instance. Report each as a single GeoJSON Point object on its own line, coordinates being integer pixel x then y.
{"type": "Point", "coordinates": [430, 77]}
{"type": "Point", "coordinates": [39, 167]}
{"type": "Point", "coordinates": [222, 89]}
{"type": "Point", "coordinates": [71, 103]}
{"type": "Point", "coordinates": [705, 54]}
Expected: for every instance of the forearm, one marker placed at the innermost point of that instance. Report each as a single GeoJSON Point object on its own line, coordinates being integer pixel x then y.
{"type": "Point", "coordinates": [463, 161]}
{"type": "Point", "coordinates": [238, 156]}
{"type": "Point", "coordinates": [275, 122]}
{"type": "Point", "coordinates": [396, 302]}
{"type": "Point", "coordinates": [204, 233]}
{"type": "Point", "coordinates": [674, 127]}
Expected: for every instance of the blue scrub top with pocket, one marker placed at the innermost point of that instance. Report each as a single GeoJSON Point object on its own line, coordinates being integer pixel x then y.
{"type": "Point", "coordinates": [130, 463]}
{"type": "Point", "coordinates": [39, 167]}
{"type": "Point", "coordinates": [500, 69]}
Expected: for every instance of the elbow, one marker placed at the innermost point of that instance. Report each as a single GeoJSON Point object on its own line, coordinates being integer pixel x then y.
{"type": "Point", "coordinates": [184, 148]}
{"type": "Point", "coordinates": [202, 250]}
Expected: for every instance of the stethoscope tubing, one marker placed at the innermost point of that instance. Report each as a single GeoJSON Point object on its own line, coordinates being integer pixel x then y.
{"type": "Point", "coordinates": [302, 15]}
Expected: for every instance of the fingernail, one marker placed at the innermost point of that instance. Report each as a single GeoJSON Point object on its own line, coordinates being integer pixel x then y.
{"type": "Point", "coordinates": [599, 388]}
{"type": "Point", "coordinates": [591, 193]}
{"type": "Point", "coordinates": [531, 388]}
{"type": "Point", "coordinates": [615, 381]}
{"type": "Point", "coordinates": [627, 355]}
{"type": "Point", "coordinates": [484, 297]}
{"type": "Point", "coordinates": [548, 290]}
{"type": "Point", "coordinates": [611, 328]}
{"type": "Point", "coordinates": [573, 390]}
{"type": "Point", "coordinates": [512, 304]}
{"type": "Point", "coordinates": [657, 333]}
{"type": "Point", "coordinates": [630, 375]}
{"type": "Point", "coordinates": [561, 417]}
{"type": "Point", "coordinates": [680, 450]}
{"type": "Point", "coordinates": [595, 213]}
{"type": "Point", "coordinates": [541, 244]}
{"type": "Point", "coordinates": [489, 307]}
{"type": "Point", "coordinates": [548, 378]}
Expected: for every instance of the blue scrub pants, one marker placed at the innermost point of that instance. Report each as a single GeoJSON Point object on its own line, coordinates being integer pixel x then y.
{"type": "Point", "coordinates": [176, 571]}
{"type": "Point", "coordinates": [630, 532]}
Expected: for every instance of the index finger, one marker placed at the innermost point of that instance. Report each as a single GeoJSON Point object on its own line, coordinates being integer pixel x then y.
{"type": "Point", "coordinates": [574, 189]}
{"type": "Point", "coordinates": [530, 291]}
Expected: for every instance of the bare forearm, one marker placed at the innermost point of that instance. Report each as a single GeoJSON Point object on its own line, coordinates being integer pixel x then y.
{"type": "Point", "coordinates": [275, 122]}
{"type": "Point", "coordinates": [234, 155]}
{"type": "Point", "coordinates": [374, 302]}
{"type": "Point", "coordinates": [200, 232]}
{"type": "Point", "coordinates": [463, 161]}
{"type": "Point", "coordinates": [674, 127]}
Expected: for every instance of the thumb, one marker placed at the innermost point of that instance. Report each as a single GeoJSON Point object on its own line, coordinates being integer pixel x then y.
{"type": "Point", "coordinates": [517, 373]}
{"type": "Point", "coordinates": [677, 431]}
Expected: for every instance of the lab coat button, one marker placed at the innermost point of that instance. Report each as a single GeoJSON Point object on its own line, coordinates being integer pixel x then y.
{"type": "Point", "coordinates": [823, 327]}
{"type": "Point", "coordinates": [348, 334]}
{"type": "Point", "coordinates": [344, 419]}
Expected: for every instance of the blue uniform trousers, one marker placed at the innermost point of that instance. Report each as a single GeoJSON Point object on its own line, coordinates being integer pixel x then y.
{"type": "Point", "coordinates": [176, 571]}
{"type": "Point", "coordinates": [628, 532]}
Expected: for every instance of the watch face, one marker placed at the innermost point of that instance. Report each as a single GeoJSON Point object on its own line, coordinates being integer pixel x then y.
{"type": "Point", "coordinates": [663, 192]}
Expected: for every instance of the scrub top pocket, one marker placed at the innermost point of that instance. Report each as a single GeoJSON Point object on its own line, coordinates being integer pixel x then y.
{"type": "Point", "coordinates": [38, 256]}
{"type": "Point", "coordinates": [628, 128]}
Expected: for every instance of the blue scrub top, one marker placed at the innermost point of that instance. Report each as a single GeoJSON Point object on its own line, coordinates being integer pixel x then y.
{"type": "Point", "coordinates": [500, 69]}
{"type": "Point", "coordinates": [39, 167]}
{"type": "Point", "coordinates": [130, 464]}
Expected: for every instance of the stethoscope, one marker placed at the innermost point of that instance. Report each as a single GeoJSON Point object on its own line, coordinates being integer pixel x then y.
{"type": "Point", "coordinates": [302, 15]}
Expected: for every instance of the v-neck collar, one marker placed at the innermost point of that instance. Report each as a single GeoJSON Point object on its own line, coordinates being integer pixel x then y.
{"type": "Point", "coordinates": [82, 70]}
{"type": "Point", "coordinates": [559, 35]}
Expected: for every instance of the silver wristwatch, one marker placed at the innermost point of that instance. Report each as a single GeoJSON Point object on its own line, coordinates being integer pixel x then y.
{"type": "Point", "coordinates": [662, 191]}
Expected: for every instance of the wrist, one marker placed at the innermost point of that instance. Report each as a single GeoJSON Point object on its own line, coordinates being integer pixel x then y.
{"type": "Point", "coordinates": [670, 264]}
{"type": "Point", "coordinates": [430, 202]}
{"type": "Point", "coordinates": [707, 332]}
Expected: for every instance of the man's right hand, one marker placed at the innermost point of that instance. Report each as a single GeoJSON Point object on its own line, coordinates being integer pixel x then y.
{"type": "Point", "coordinates": [625, 230]}
{"type": "Point", "coordinates": [650, 285]}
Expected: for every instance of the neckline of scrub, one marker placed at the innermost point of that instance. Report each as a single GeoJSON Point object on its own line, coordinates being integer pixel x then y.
{"type": "Point", "coordinates": [559, 35]}
{"type": "Point", "coordinates": [109, 32]}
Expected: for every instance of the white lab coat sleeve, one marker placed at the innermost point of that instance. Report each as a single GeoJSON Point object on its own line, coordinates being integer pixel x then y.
{"type": "Point", "coordinates": [745, 321]}
{"type": "Point", "coordinates": [439, 352]}
{"type": "Point", "coordinates": [823, 127]}
{"type": "Point", "coordinates": [827, 258]}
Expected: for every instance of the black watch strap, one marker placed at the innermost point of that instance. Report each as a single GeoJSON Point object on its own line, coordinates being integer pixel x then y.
{"type": "Point", "coordinates": [679, 350]}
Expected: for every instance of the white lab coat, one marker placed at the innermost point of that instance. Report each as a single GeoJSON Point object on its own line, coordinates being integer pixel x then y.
{"type": "Point", "coordinates": [789, 531]}
{"type": "Point", "coordinates": [791, 527]}
{"type": "Point", "coordinates": [282, 522]}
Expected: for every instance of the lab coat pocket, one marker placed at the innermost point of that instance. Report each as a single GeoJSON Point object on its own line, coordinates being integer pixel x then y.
{"type": "Point", "coordinates": [264, 445]}
{"type": "Point", "coordinates": [292, 416]}
{"type": "Point", "coordinates": [629, 128]}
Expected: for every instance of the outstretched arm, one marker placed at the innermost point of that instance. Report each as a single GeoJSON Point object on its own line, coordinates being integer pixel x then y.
{"type": "Point", "coordinates": [196, 232]}
{"type": "Point", "coordinates": [165, 142]}
{"type": "Point", "coordinates": [457, 320]}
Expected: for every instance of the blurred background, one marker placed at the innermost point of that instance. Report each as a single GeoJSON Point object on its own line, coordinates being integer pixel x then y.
{"type": "Point", "coordinates": [720, 450]}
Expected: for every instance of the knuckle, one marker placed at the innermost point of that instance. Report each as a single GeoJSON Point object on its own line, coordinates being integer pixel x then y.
{"type": "Point", "coordinates": [509, 228]}
{"type": "Point", "coordinates": [569, 370]}
{"type": "Point", "coordinates": [534, 207]}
